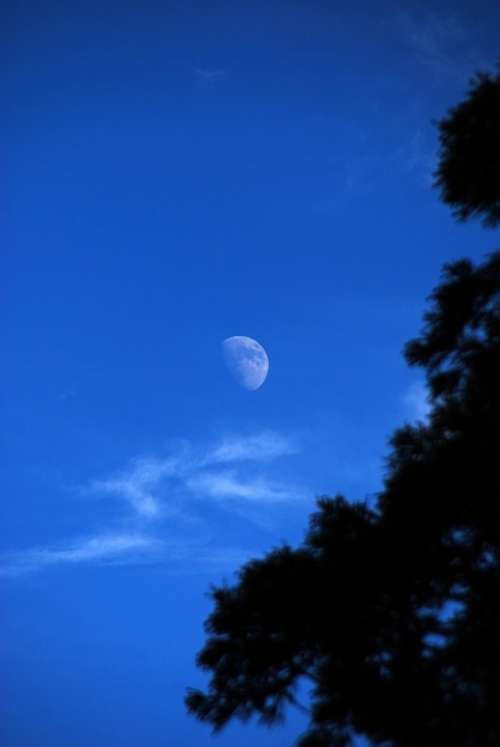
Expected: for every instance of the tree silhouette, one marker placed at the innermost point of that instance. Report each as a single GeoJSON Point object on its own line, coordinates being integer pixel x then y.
{"type": "Point", "coordinates": [392, 612]}
{"type": "Point", "coordinates": [468, 169]}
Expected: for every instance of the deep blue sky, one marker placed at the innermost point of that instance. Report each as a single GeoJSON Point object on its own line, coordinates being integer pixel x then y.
{"type": "Point", "coordinates": [176, 173]}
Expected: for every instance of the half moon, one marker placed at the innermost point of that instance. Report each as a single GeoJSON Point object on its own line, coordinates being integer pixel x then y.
{"type": "Point", "coordinates": [247, 360]}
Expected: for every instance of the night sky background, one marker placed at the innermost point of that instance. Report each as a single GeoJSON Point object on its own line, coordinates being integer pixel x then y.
{"type": "Point", "coordinates": [174, 174]}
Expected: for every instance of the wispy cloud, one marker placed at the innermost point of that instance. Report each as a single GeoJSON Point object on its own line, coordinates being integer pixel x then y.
{"type": "Point", "coordinates": [264, 446]}
{"type": "Point", "coordinates": [141, 483]}
{"type": "Point", "coordinates": [229, 471]}
{"type": "Point", "coordinates": [228, 485]}
{"type": "Point", "coordinates": [106, 548]}
{"type": "Point", "coordinates": [181, 556]}
{"type": "Point", "coordinates": [416, 401]}
{"type": "Point", "coordinates": [137, 484]}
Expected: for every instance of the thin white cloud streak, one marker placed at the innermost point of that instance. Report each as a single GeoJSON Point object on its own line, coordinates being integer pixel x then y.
{"type": "Point", "coordinates": [189, 472]}
{"type": "Point", "coordinates": [416, 401]}
{"type": "Point", "coordinates": [227, 485]}
{"type": "Point", "coordinates": [137, 484]}
{"type": "Point", "coordinates": [106, 548]}
{"type": "Point", "coordinates": [141, 484]}
{"type": "Point", "coordinates": [184, 556]}
{"type": "Point", "coordinates": [264, 447]}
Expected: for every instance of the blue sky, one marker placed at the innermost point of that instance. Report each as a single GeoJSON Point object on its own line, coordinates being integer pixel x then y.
{"type": "Point", "coordinates": [178, 173]}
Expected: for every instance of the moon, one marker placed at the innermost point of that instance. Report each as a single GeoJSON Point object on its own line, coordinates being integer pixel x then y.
{"type": "Point", "coordinates": [247, 361]}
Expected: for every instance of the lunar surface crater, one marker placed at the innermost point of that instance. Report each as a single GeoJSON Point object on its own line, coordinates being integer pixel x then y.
{"type": "Point", "coordinates": [247, 361]}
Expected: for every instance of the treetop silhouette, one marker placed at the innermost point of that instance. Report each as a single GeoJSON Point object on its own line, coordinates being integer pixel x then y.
{"type": "Point", "coordinates": [469, 164]}
{"type": "Point", "coordinates": [392, 612]}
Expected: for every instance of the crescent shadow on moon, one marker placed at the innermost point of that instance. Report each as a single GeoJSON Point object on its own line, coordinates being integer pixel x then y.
{"type": "Point", "coordinates": [247, 361]}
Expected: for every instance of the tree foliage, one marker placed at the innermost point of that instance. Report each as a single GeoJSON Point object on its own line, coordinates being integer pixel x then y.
{"type": "Point", "coordinates": [391, 612]}
{"type": "Point", "coordinates": [469, 164]}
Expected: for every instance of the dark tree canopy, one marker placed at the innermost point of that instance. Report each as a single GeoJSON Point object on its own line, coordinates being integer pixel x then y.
{"type": "Point", "coordinates": [469, 165]}
{"type": "Point", "coordinates": [391, 611]}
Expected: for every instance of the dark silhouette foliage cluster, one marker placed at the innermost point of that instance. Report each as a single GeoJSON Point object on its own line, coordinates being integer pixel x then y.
{"type": "Point", "coordinates": [468, 169]}
{"type": "Point", "coordinates": [392, 611]}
